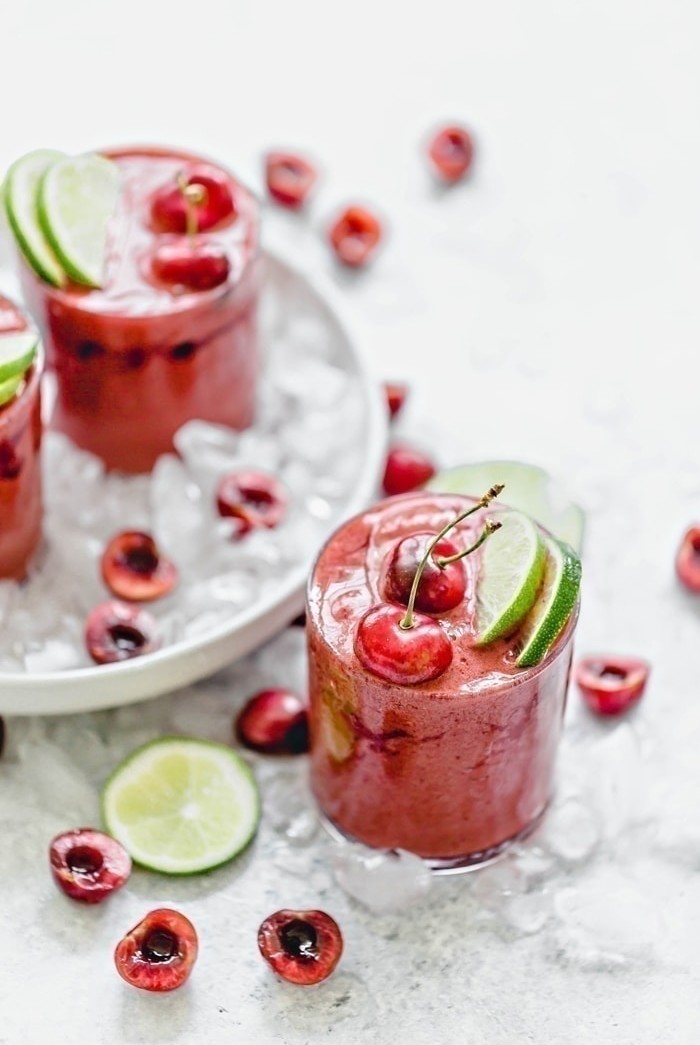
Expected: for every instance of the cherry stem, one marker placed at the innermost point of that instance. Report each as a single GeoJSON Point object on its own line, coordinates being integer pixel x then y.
{"type": "Point", "coordinates": [490, 528]}
{"type": "Point", "coordinates": [193, 194]}
{"type": "Point", "coordinates": [406, 621]}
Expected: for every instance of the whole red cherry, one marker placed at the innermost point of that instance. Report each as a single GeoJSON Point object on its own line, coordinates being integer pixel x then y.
{"type": "Point", "coordinates": [440, 588]}
{"type": "Point", "coordinates": [355, 236]}
{"type": "Point", "coordinates": [169, 207]}
{"type": "Point", "coordinates": [688, 560]}
{"type": "Point", "coordinates": [406, 469]}
{"type": "Point", "coordinates": [451, 152]}
{"type": "Point", "coordinates": [406, 656]}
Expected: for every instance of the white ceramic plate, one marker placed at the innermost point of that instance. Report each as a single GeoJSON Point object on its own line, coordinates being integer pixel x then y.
{"type": "Point", "coordinates": [183, 662]}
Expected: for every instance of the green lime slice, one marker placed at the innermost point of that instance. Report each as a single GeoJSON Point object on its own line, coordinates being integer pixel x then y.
{"type": "Point", "coordinates": [9, 388]}
{"type": "Point", "coordinates": [528, 488]}
{"type": "Point", "coordinates": [17, 351]}
{"type": "Point", "coordinates": [181, 805]}
{"type": "Point", "coordinates": [510, 573]}
{"type": "Point", "coordinates": [552, 609]}
{"type": "Point", "coordinates": [20, 194]}
{"type": "Point", "coordinates": [77, 197]}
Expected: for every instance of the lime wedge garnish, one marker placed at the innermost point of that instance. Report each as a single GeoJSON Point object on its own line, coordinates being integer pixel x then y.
{"type": "Point", "coordinates": [553, 606]}
{"type": "Point", "coordinates": [181, 806]}
{"type": "Point", "coordinates": [20, 194]}
{"type": "Point", "coordinates": [77, 197]}
{"type": "Point", "coordinates": [528, 488]}
{"type": "Point", "coordinates": [9, 388]}
{"type": "Point", "coordinates": [510, 573]}
{"type": "Point", "coordinates": [17, 351]}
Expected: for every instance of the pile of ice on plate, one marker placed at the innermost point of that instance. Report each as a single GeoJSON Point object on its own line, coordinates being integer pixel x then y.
{"type": "Point", "coordinates": [308, 432]}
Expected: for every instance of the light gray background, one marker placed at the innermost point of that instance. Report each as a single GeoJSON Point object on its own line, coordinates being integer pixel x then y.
{"type": "Point", "coordinates": [545, 311]}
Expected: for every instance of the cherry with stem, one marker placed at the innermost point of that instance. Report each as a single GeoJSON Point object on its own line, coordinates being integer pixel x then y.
{"type": "Point", "coordinates": [405, 647]}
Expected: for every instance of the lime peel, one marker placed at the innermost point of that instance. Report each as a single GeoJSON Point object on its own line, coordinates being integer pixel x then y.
{"type": "Point", "coordinates": [180, 805]}
{"type": "Point", "coordinates": [20, 194]}
{"type": "Point", "coordinates": [554, 605]}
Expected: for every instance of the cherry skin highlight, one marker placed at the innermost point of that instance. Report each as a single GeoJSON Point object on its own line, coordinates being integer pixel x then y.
{"type": "Point", "coordinates": [198, 266]}
{"type": "Point", "coordinates": [134, 569]}
{"type": "Point", "coordinates": [404, 656]}
{"type": "Point", "coordinates": [115, 632]}
{"type": "Point", "coordinates": [88, 865]}
{"type": "Point", "coordinates": [688, 560]}
{"type": "Point", "coordinates": [440, 588]}
{"type": "Point", "coordinates": [302, 947]}
{"type": "Point", "coordinates": [451, 153]}
{"type": "Point", "coordinates": [169, 207]}
{"type": "Point", "coordinates": [611, 685]}
{"type": "Point", "coordinates": [158, 954]}
{"type": "Point", "coordinates": [274, 722]}
{"type": "Point", "coordinates": [251, 499]}
{"type": "Point", "coordinates": [406, 469]}
{"type": "Point", "coordinates": [355, 236]}
{"type": "Point", "coordinates": [289, 178]}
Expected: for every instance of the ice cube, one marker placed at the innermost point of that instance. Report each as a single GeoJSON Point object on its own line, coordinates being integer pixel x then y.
{"type": "Point", "coordinates": [380, 879]}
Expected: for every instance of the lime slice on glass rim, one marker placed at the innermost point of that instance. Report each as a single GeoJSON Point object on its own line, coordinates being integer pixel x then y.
{"type": "Point", "coordinates": [9, 388]}
{"type": "Point", "coordinates": [77, 197]}
{"type": "Point", "coordinates": [554, 604]}
{"type": "Point", "coordinates": [17, 351]}
{"type": "Point", "coordinates": [181, 806]}
{"type": "Point", "coordinates": [510, 574]}
{"type": "Point", "coordinates": [20, 193]}
{"type": "Point", "coordinates": [527, 487]}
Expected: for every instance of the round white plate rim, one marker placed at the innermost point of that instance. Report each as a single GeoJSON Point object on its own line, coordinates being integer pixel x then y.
{"type": "Point", "coordinates": [179, 664]}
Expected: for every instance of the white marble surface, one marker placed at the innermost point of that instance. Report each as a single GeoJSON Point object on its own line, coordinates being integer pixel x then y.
{"type": "Point", "coordinates": [545, 311]}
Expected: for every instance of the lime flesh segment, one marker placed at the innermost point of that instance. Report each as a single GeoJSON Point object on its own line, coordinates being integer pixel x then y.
{"type": "Point", "coordinates": [17, 351]}
{"type": "Point", "coordinates": [20, 193]}
{"type": "Point", "coordinates": [510, 574]}
{"type": "Point", "coordinates": [77, 198]}
{"type": "Point", "coordinates": [527, 487]}
{"type": "Point", "coordinates": [181, 805]}
{"type": "Point", "coordinates": [9, 388]}
{"type": "Point", "coordinates": [554, 605]}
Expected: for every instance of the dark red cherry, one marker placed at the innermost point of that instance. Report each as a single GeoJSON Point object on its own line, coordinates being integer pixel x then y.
{"type": "Point", "coordinates": [274, 722]}
{"type": "Point", "coordinates": [451, 152]}
{"type": "Point", "coordinates": [440, 588]}
{"type": "Point", "coordinates": [355, 235]}
{"type": "Point", "coordinates": [115, 631]}
{"type": "Point", "coordinates": [611, 685]}
{"type": "Point", "coordinates": [159, 953]}
{"type": "Point", "coordinates": [88, 865]}
{"type": "Point", "coordinates": [133, 568]}
{"type": "Point", "coordinates": [688, 560]}
{"type": "Point", "coordinates": [198, 266]}
{"type": "Point", "coordinates": [395, 394]}
{"type": "Point", "coordinates": [406, 656]}
{"type": "Point", "coordinates": [169, 207]}
{"type": "Point", "coordinates": [289, 178]}
{"type": "Point", "coordinates": [303, 947]}
{"type": "Point", "coordinates": [406, 469]}
{"type": "Point", "coordinates": [251, 499]}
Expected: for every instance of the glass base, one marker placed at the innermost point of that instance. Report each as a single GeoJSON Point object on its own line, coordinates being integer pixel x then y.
{"type": "Point", "coordinates": [449, 865]}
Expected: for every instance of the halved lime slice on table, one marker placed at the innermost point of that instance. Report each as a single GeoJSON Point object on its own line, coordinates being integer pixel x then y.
{"type": "Point", "coordinates": [527, 487]}
{"type": "Point", "coordinates": [20, 193]}
{"type": "Point", "coordinates": [77, 197]}
{"type": "Point", "coordinates": [181, 805]}
{"type": "Point", "coordinates": [510, 574]}
{"type": "Point", "coordinates": [554, 604]}
{"type": "Point", "coordinates": [17, 351]}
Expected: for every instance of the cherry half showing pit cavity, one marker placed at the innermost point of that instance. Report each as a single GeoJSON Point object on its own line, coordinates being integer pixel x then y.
{"type": "Point", "coordinates": [159, 953]}
{"type": "Point", "coordinates": [289, 178]}
{"type": "Point", "coordinates": [302, 947]}
{"type": "Point", "coordinates": [116, 632]}
{"type": "Point", "coordinates": [88, 865]}
{"type": "Point", "coordinates": [133, 568]}
{"type": "Point", "coordinates": [251, 499]}
{"type": "Point", "coordinates": [611, 685]}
